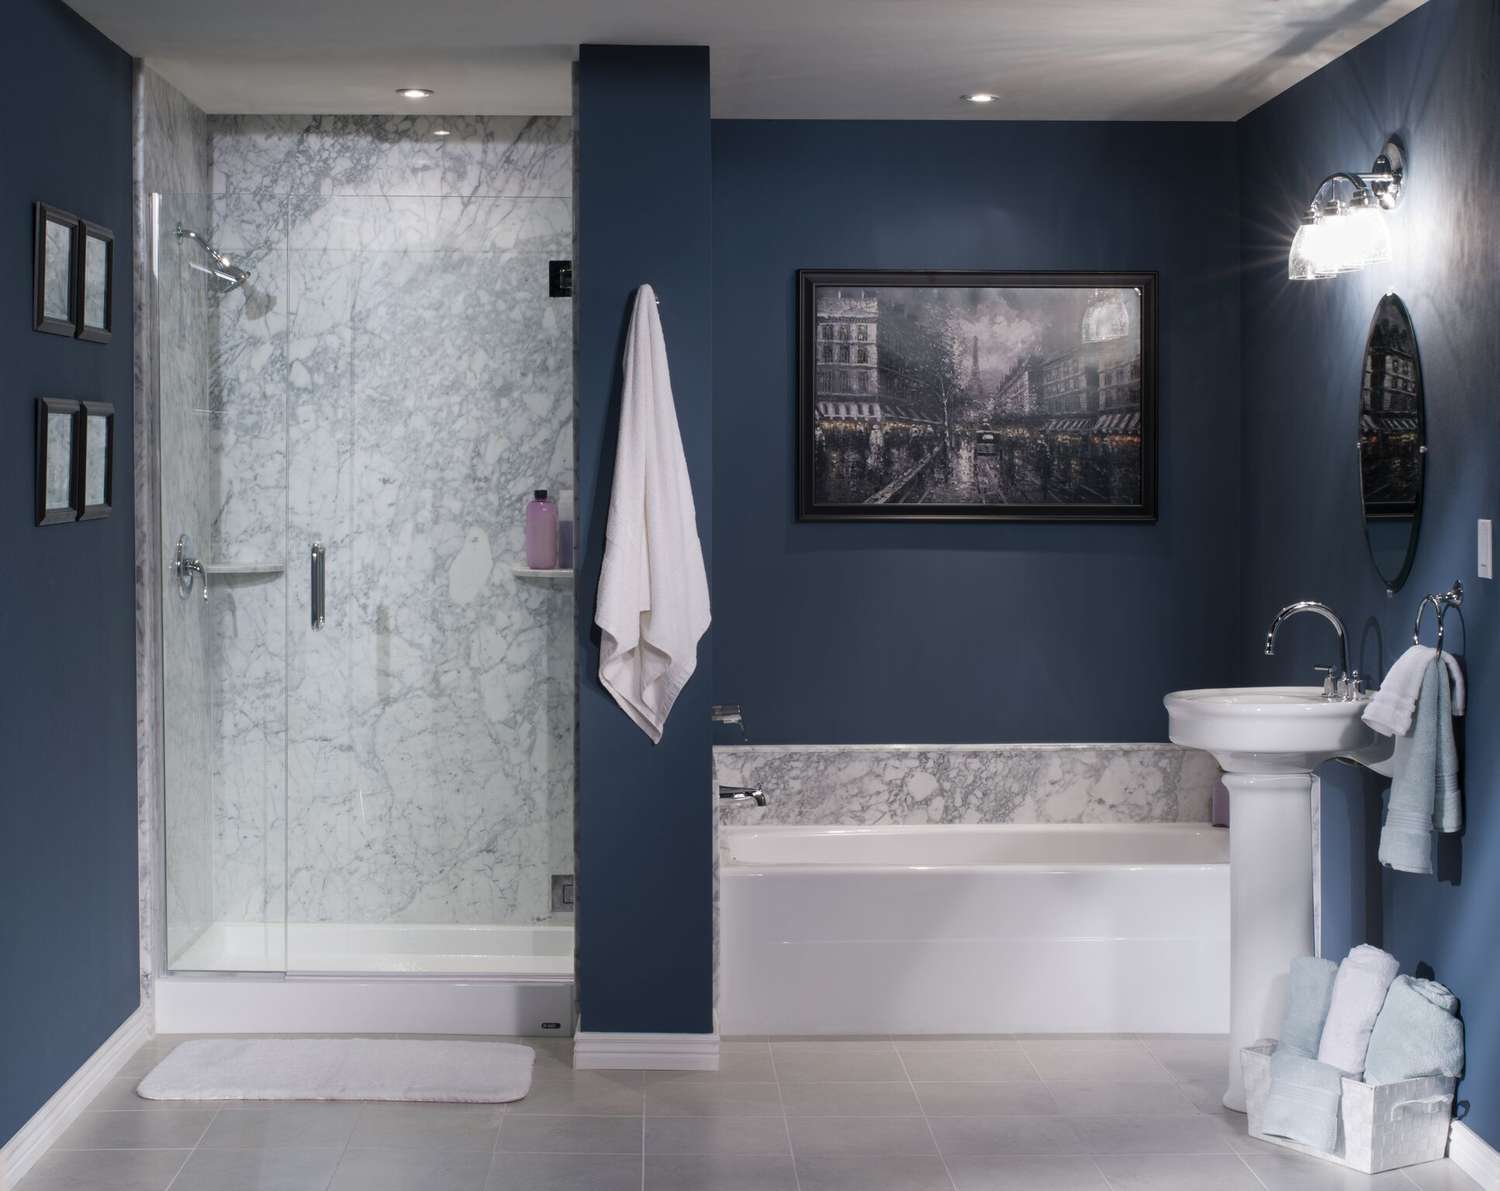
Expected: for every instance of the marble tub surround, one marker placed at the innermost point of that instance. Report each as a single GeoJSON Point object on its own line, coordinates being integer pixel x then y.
{"type": "Point", "coordinates": [862, 785]}
{"type": "Point", "coordinates": [393, 381]}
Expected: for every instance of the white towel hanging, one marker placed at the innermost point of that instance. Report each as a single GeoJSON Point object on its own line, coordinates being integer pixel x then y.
{"type": "Point", "coordinates": [653, 588]}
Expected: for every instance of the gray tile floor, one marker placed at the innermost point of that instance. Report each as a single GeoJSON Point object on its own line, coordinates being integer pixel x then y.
{"type": "Point", "coordinates": [1123, 1113]}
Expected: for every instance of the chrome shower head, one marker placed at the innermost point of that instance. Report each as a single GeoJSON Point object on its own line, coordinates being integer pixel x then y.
{"type": "Point", "coordinates": [223, 269]}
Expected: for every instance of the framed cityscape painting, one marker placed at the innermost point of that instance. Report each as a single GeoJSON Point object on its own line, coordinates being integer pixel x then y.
{"type": "Point", "coordinates": [948, 396]}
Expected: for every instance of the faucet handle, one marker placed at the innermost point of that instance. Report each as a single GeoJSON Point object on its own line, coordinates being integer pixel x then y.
{"type": "Point", "coordinates": [1331, 681]}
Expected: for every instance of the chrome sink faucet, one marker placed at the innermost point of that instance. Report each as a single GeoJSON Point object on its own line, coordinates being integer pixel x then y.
{"type": "Point", "coordinates": [1339, 682]}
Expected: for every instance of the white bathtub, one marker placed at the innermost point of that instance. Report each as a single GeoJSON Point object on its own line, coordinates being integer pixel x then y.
{"type": "Point", "coordinates": [974, 929]}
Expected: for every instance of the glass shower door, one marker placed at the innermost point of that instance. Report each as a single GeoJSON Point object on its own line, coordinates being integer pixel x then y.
{"type": "Point", "coordinates": [369, 721]}
{"type": "Point", "coordinates": [429, 699]}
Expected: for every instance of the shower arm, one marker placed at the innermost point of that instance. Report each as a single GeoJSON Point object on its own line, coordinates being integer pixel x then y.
{"type": "Point", "coordinates": [224, 269]}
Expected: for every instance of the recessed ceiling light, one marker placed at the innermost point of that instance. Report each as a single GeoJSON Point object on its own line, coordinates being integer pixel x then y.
{"type": "Point", "coordinates": [982, 97]}
{"type": "Point", "coordinates": [442, 132]}
{"type": "Point", "coordinates": [414, 92]}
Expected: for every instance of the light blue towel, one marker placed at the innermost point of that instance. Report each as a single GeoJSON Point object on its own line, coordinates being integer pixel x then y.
{"type": "Point", "coordinates": [1416, 1033]}
{"type": "Point", "coordinates": [1424, 794]}
{"type": "Point", "coordinates": [1303, 1103]}
{"type": "Point", "coordinates": [1309, 988]}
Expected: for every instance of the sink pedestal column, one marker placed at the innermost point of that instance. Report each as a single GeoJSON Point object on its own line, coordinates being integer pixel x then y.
{"type": "Point", "coordinates": [1270, 904]}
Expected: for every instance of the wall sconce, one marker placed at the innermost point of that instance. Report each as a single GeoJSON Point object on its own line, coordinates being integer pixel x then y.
{"type": "Point", "coordinates": [1344, 228]}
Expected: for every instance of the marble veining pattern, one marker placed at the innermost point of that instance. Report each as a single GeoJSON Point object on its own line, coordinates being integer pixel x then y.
{"type": "Point", "coordinates": [393, 382]}
{"type": "Point", "coordinates": [321, 156]}
{"type": "Point", "coordinates": [1031, 783]}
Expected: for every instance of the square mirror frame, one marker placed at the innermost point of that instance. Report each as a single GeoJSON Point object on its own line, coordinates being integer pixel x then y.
{"type": "Point", "coordinates": [43, 321]}
{"type": "Point", "coordinates": [91, 410]}
{"type": "Point", "coordinates": [47, 514]}
{"type": "Point", "coordinates": [94, 231]}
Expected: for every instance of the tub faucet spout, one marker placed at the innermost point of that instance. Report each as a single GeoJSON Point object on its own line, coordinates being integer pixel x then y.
{"type": "Point", "coordinates": [742, 794]}
{"type": "Point", "coordinates": [1341, 682]}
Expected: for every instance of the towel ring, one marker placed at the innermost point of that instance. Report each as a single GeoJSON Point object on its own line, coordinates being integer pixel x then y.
{"type": "Point", "coordinates": [1440, 605]}
{"type": "Point", "coordinates": [1416, 628]}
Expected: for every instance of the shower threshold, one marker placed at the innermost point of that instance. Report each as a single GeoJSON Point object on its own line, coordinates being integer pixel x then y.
{"type": "Point", "coordinates": [343, 978]}
{"type": "Point", "coordinates": [408, 948]}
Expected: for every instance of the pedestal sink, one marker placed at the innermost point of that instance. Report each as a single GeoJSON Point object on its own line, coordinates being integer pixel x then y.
{"type": "Point", "coordinates": [1268, 740]}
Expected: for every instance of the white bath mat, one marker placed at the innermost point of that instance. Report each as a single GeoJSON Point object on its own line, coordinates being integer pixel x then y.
{"type": "Point", "coordinates": [341, 1069]}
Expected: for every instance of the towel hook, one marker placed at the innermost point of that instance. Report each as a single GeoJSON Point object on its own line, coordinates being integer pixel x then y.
{"type": "Point", "coordinates": [1440, 602]}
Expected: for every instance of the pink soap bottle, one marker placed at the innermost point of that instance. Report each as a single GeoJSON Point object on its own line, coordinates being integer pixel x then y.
{"type": "Point", "coordinates": [541, 532]}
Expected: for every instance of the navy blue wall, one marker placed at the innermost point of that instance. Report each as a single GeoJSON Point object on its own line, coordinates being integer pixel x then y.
{"type": "Point", "coordinates": [978, 632]}
{"type": "Point", "coordinates": [67, 593]}
{"type": "Point", "coordinates": [1434, 79]}
{"type": "Point", "coordinates": [644, 828]}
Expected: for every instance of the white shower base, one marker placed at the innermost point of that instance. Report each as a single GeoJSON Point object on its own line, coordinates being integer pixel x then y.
{"type": "Point", "coordinates": [347, 978]}
{"type": "Point", "coordinates": [337, 948]}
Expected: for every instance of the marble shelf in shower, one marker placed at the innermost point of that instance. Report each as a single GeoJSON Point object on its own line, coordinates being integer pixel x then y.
{"type": "Point", "coordinates": [520, 568]}
{"type": "Point", "coordinates": [244, 568]}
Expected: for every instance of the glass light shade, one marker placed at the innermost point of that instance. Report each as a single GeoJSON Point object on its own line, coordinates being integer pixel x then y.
{"type": "Point", "coordinates": [1342, 241]}
{"type": "Point", "coordinates": [1367, 238]}
{"type": "Point", "coordinates": [1301, 265]}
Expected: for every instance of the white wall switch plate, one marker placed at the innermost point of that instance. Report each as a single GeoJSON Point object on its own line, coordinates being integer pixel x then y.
{"type": "Point", "coordinates": [1486, 550]}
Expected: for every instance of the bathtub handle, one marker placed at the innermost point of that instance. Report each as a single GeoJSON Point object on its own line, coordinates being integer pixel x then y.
{"type": "Point", "coordinates": [742, 794]}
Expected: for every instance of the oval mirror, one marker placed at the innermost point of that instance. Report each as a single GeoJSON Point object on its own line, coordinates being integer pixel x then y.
{"type": "Point", "coordinates": [1392, 441]}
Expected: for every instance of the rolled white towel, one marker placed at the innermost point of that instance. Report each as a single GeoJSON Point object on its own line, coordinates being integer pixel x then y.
{"type": "Point", "coordinates": [1358, 993]}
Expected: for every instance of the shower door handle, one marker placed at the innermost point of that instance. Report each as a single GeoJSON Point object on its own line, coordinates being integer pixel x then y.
{"type": "Point", "coordinates": [319, 586]}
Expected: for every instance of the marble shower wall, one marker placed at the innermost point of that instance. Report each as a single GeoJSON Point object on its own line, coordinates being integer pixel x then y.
{"type": "Point", "coordinates": [393, 382]}
{"type": "Point", "coordinates": [855, 785]}
{"type": "Point", "coordinates": [174, 717]}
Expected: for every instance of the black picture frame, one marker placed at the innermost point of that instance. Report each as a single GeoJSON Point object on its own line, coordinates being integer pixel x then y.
{"type": "Point", "coordinates": [49, 455]}
{"type": "Point", "coordinates": [42, 320]}
{"type": "Point", "coordinates": [1089, 428]}
{"type": "Point", "coordinates": [102, 331]}
{"type": "Point", "coordinates": [95, 411]}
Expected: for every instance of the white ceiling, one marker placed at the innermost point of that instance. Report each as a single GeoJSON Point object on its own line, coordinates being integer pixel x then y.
{"type": "Point", "coordinates": [855, 59]}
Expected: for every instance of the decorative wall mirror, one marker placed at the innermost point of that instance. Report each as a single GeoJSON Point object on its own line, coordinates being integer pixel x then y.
{"type": "Point", "coordinates": [56, 461]}
{"type": "Point", "coordinates": [96, 283]}
{"type": "Point", "coordinates": [1392, 441]}
{"type": "Point", "coordinates": [96, 460]}
{"type": "Point", "coordinates": [55, 276]}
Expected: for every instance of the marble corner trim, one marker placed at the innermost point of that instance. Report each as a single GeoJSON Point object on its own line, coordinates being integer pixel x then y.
{"type": "Point", "coordinates": [865, 785]}
{"type": "Point", "coordinates": [170, 158]}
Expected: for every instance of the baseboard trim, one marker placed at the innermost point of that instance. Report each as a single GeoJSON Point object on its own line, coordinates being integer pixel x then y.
{"type": "Point", "coordinates": [39, 1134]}
{"type": "Point", "coordinates": [1474, 1156]}
{"type": "Point", "coordinates": [598, 1051]}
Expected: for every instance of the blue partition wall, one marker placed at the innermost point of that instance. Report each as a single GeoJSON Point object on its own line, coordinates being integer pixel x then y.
{"type": "Point", "coordinates": [645, 929]}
